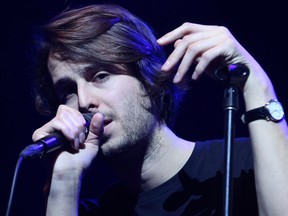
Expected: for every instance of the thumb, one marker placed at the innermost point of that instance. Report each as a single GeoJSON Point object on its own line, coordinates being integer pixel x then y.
{"type": "Point", "coordinates": [96, 127]}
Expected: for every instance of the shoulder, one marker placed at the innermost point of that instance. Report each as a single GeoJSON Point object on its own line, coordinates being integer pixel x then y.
{"type": "Point", "coordinates": [216, 147]}
{"type": "Point", "coordinates": [209, 156]}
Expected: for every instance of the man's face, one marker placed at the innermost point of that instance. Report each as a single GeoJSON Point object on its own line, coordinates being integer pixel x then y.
{"type": "Point", "coordinates": [118, 96]}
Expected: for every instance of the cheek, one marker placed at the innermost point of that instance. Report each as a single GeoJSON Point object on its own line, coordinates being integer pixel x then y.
{"type": "Point", "coordinates": [125, 99]}
{"type": "Point", "coordinates": [129, 99]}
{"type": "Point", "coordinates": [126, 94]}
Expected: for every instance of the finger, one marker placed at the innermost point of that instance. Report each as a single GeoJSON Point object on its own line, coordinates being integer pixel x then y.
{"type": "Point", "coordinates": [77, 125]}
{"type": "Point", "coordinates": [176, 55]}
{"type": "Point", "coordinates": [177, 42]}
{"type": "Point", "coordinates": [175, 34]}
{"type": "Point", "coordinates": [184, 45]}
{"type": "Point", "coordinates": [204, 53]}
{"type": "Point", "coordinates": [69, 122]}
{"type": "Point", "coordinates": [73, 127]}
{"type": "Point", "coordinates": [181, 31]}
{"type": "Point", "coordinates": [210, 61]}
{"type": "Point", "coordinates": [194, 55]}
{"type": "Point", "coordinates": [92, 143]}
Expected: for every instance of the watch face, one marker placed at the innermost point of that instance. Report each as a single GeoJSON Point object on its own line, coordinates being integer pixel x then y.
{"type": "Point", "coordinates": [276, 110]}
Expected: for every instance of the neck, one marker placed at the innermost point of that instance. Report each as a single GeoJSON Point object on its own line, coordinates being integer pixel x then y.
{"type": "Point", "coordinates": [164, 159]}
{"type": "Point", "coordinates": [147, 168]}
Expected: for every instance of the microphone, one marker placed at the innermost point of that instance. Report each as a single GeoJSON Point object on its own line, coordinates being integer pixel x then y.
{"type": "Point", "coordinates": [52, 142]}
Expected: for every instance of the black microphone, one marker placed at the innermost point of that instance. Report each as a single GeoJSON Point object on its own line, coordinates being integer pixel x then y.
{"type": "Point", "coordinates": [52, 142]}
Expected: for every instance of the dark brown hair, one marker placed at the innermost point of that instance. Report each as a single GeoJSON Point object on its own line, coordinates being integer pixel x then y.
{"type": "Point", "coordinates": [110, 35]}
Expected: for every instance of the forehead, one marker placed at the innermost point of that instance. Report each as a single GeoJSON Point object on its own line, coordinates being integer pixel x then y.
{"type": "Point", "coordinates": [59, 68]}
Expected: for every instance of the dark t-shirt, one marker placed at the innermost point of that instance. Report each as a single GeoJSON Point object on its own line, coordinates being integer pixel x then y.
{"type": "Point", "coordinates": [196, 190]}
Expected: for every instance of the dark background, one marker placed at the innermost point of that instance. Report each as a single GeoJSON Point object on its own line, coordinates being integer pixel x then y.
{"type": "Point", "coordinates": [258, 26]}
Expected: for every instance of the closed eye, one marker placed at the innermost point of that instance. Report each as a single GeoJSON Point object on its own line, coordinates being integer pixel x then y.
{"type": "Point", "coordinates": [64, 89]}
{"type": "Point", "coordinates": [66, 95]}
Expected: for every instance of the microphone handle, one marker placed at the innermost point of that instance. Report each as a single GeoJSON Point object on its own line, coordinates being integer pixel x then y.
{"type": "Point", "coordinates": [52, 142]}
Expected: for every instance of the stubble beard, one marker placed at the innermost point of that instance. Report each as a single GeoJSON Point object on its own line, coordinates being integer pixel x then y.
{"type": "Point", "coordinates": [137, 125]}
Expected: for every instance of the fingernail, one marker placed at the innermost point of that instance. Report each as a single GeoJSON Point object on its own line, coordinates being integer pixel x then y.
{"type": "Point", "coordinates": [160, 40]}
{"type": "Point", "coordinates": [76, 143]}
{"type": "Point", "coordinates": [163, 39]}
{"type": "Point", "coordinates": [165, 66]}
{"type": "Point", "coordinates": [194, 76]}
{"type": "Point", "coordinates": [82, 137]}
{"type": "Point", "coordinates": [176, 78]}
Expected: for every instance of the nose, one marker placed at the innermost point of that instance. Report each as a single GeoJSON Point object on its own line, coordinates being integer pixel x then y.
{"type": "Point", "coordinates": [87, 98]}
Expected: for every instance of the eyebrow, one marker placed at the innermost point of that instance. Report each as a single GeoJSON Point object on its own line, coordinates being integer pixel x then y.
{"type": "Point", "coordinates": [90, 69]}
{"type": "Point", "coordinates": [86, 69]}
{"type": "Point", "coordinates": [86, 72]}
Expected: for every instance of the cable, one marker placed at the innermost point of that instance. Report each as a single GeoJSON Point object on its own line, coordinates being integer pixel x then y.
{"type": "Point", "coordinates": [20, 159]}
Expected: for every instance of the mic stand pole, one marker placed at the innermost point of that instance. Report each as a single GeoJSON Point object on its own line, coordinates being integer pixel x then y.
{"type": "Point", "coordinates": [230, 107]}
{"type": "Point", "coordinates": [232, 76]}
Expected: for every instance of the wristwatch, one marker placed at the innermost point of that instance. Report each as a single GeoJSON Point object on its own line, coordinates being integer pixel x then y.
{"type": "Point", "coordinates": [272, 111]}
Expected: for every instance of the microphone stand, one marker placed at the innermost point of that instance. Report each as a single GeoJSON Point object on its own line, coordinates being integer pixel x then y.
{"type": "Point", "coordinates": [232, 76]}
